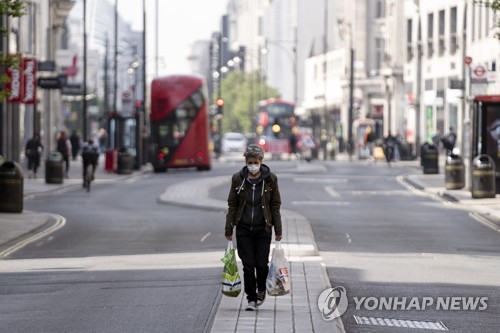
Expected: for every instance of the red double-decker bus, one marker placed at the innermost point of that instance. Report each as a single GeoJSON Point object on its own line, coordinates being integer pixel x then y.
{"type": "Point", "coordinates": [179, 123]}
{"type": "Point", "coordinates": [276, 119]}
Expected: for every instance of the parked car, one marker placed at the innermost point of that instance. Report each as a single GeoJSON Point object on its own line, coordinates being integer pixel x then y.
{"type": "Point", "coordinates": [234, 142]}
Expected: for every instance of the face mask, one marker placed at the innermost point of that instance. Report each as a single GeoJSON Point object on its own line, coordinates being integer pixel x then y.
{"type": "Point", "coordinates": [253, 168]}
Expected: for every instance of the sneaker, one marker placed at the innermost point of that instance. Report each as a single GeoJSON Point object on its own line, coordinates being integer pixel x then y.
{"type": "Point", "coordinates": [252, 306]}
{"type": "Point", "coordinates": [261, 297]}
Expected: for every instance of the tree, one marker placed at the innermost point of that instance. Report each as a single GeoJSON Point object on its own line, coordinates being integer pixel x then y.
{"type": "Point", "coordinates": [495, 6]}
{"type": "Point", "coordinates": [8, 8]}
{"type": "Point", "coordinates": [242, 92]}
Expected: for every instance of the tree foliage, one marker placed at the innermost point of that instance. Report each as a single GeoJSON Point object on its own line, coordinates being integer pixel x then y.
{"type": "Point", "coordinates": [495, 6]}
{"type": "Point", "coordinates": [241, 93]}
{"type": "Point", "coordinates": [8, 8]}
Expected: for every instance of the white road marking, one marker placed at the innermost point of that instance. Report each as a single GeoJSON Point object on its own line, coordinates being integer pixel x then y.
{"type": "Point", "coordinates": [321, 203]}
{"type": "Point", "coordinates": [60, 222]}
{"type": "Point", "coordinates": [320, 180]}
{"type": "Point", "coordinates": [205, 237]}
{"type": "Point", "coordinates": [349, 240]}
{"type": "Point", "coordinates": [331, 191]}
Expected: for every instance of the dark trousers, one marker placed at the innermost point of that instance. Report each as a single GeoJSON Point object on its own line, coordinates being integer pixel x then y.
{"type": "Point", "coordinates": [33, 163]}
{"type": "Point", "coordinates": [85, 165]}
{"type": "Point", "coordinates": [253, 250]}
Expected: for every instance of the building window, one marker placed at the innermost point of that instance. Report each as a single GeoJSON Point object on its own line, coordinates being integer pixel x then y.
{"type": "Point", "coordinates": [380, 9]}
{"type": "Point", "coordinates": [474, 9]}
{"type": "Point", "coordinates": [480, 20]}
{"type": "Point", "coordinates": [430, 35]}
{"type": "Point", "coordinates": [379, 52]}
{"type": "Point", "coordinates": [429, 84]}
{"type": "Point", "coordinates": [409, 40]}
{"type": "Point", "coordinates": [453, 30]}
{"type": "Point", "coordinates": [441, 46]}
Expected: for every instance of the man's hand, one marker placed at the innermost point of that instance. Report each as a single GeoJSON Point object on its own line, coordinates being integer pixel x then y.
{"type": "Point", "coordinates": [278, 238]}
{"type": "Point", "coordinates": [229, 238]}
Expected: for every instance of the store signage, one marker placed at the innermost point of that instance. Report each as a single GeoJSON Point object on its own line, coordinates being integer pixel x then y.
{"type": "Point", "coordinates": [14, 86]}
{"type": "Point", "coordinates": [28, 80]}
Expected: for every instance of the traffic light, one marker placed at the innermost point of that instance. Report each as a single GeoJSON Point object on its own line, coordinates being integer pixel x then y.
{"type": "Point", "coordinates": [220, 104]}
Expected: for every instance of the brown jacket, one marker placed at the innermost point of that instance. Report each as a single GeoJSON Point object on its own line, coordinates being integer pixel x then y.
{"type": "Point", "coordinates": [271, 200]}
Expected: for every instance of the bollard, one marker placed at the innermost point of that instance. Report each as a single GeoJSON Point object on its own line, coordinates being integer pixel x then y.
{"type": "Point", "coordinates": [11, 188]}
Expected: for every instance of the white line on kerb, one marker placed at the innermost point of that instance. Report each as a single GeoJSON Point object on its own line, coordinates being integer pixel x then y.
{"type": "Point", "coordinates": [60, 222]}
{"type": "Point", "coordinates": [484, 222]}
{"type": "Point", "coordinates": [331, 191]}
{"type": "Point", "coordinates": [205, 237]}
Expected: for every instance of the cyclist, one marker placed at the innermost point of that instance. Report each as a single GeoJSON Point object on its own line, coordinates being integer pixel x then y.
{"type": "Point", "coordinates": [90, 156]}
{"type": "Point", "coordinates": [390, 146]}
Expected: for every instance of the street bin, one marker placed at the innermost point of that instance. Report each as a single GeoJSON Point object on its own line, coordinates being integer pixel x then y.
{"type": "Point", "coordinates": [11, 187]}
{"type": "Point", "coordinates": [111, 160]}
{"type": "Point", "coordinates": [483, 177]}
{"type": "Point", "coordinates": [454, 173]}
{"type": "Point", "coordinates": [429, 156]}
{"type": "Point", "coordinates": [125, 162]}
{"type": "Point", "coordinates": [54, 168]}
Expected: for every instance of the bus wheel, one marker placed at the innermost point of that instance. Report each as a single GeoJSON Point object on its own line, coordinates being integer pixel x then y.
{"type": "Point", "coordinates": [159, 169]}
{"type": "Point", "coordinates": [203, 168]}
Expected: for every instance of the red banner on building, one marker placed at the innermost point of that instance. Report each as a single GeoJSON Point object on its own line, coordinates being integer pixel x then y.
{"type": "Point", "coordinates": [14, 86]}
{"type": "Point", "coordinates": [28, 80]}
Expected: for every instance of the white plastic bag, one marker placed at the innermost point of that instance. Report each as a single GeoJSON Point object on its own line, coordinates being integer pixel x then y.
{"type": "Point", "coordinates": [278, 279]}
{"type": "Point", "coordinates": [231, 282]}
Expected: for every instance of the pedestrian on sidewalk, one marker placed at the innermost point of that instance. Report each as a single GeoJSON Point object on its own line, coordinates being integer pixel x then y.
{"type": "Point", "coordinates": [254, 209]}
{"type": "Point", "coordinates": [64, 147]}
{"type": "Point", "coordinates": [33, 152]}
{"type": "Point", "coordinates": [75, 141]}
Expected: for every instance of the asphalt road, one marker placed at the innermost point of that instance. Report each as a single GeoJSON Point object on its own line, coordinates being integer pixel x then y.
{"type": "Point", "coordinates": [122, 263]}
{"type": "Point", "coordinates": [125, 263]}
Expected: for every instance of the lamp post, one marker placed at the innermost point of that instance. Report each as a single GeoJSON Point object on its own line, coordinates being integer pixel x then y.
{"type": "Point", "coordinates": [345, 27]}
{"type": "Point", "coordinates": [293, 57]}
{"type": "Point", "coordinates": [387, 73]}
{"type": "Point", "coordinates": [84, 111]}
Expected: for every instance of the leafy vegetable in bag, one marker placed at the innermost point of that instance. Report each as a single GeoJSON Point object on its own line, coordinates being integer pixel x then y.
{"type": "Point", "coordinates": [231, 282]}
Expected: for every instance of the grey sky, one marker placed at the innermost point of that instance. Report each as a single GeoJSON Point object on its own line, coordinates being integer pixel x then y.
{"type": "Point", "coordinates": [180, 24]}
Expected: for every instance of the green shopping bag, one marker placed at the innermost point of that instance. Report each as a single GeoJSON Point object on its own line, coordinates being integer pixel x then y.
{"type": "Point", "coordinates": [231, 282]}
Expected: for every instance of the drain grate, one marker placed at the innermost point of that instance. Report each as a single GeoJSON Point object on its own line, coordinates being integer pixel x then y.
{"type": "Point", "coordinates": [377, 321]}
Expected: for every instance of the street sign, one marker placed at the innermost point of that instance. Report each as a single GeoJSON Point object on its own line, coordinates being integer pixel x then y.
{"type": "Point", "coordinates": [468, 60]}
{"type": "Point", "coordinates": [479, 74]}
{"type": "Point", "coordinates": [46, 66]}
{"type": "Point", "coordinates": [72, 89]}
{"type": "Point", "coordinates": [479, 70]}
{"type": "Point", "coordinates": [49, 82]}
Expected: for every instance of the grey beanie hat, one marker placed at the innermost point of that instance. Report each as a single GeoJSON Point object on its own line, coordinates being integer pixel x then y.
{"type": "Point", "coordinates": [254, 150]}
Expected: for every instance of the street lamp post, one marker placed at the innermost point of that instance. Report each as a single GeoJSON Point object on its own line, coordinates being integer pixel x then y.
{"type": "Point", "coordinates": [293, 57]}
{"type": "Point", "coordinates": [343, 25]}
